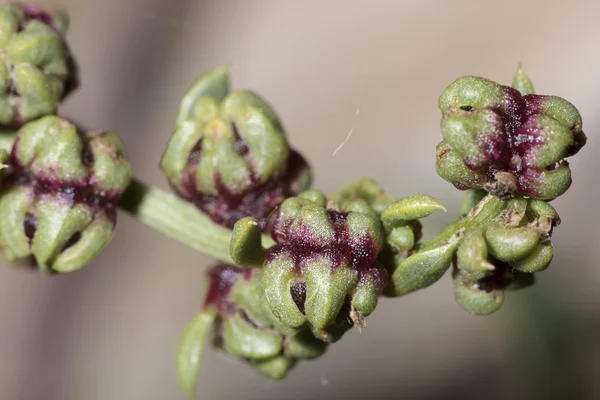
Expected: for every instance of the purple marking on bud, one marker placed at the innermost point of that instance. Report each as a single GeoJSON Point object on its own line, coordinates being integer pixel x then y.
{"type": "Point", "coordinates": [221, 279]}
{"type": "Point", "coordinates": [377, 273]}
{"type": "Point", "coordinates": [302, 245]}
{"type": "Point", "coordinates": [513, 147]}
{"type": "Point", "coordinates": [258, 201]}
{"type": "Point", "coordinates": [33, 12]}
{"type": "Point", "coordinates": [83, 191]}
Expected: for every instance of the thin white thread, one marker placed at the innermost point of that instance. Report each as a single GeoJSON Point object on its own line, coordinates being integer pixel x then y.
{"type": "Point", "coordinates": [348, 136]}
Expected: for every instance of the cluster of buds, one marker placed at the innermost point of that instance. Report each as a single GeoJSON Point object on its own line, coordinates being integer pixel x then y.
{"type": "Point", "coordinates": [36, 69]}
{"type": "Point", "coordinates": [237, 319]}
{"type": "Point", "coordinates": [503, 254]}
{"type": "Point", "coordinates": [229, 154]}
{"type": "Point", "coordinates": [507, 142]}
{"type": "Point", "coordinates": [58, 200]}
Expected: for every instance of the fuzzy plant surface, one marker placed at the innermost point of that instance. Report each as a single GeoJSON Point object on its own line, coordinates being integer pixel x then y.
{"type": "Point", "coordinates": [296, 269]}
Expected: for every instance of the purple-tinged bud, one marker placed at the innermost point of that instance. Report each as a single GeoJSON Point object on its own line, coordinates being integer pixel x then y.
{"type": "Point", "coordinates": [507, 143]}
{"type": "Point", "coordinates": [324, 259]}
{"type": "Point", "coordinates": [63, 186]}
{"type": "Point", "coordinates": [229, 154]}
{"type": "Point", "coordinates": [237, 318]}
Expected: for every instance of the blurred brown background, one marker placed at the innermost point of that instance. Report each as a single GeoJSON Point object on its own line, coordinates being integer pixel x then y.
{"type": "Point", "coordinates": [109, 331]}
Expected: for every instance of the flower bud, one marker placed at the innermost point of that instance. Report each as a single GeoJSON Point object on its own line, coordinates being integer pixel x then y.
{"type": "Point", "coordinates": [237, 318]}
{"type": "Point", "coordinates": [503, 255]}
{"type": "Point", "coordinates": [37, 71]}
{"type": "Point", "coordinates": [325, 258]}
{"type": "Point", "coordinates": [63, 186]}
{"type": "Point", "coordinates": [507, 143]}
{"type": "Point", "coordinates": [229, 154]}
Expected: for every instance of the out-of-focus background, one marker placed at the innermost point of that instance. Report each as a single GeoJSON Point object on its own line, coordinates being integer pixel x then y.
{"type": "Point", "coordinates": [377, 67]}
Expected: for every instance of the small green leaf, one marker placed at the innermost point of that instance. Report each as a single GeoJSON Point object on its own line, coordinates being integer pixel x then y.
{"type": "Point", "coordinates": [422, 269]}
{"type": "Point", "coordinates": [521, 82]}
{"type": "Point", "coordinates": [409, 208]}
{"type": "Point", "coordinates": [245, 247]}
{"type": "Point", "coordinates": [190, 352]}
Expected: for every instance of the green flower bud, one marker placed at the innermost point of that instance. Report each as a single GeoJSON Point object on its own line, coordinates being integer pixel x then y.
{"type": "Point", "coordinates": [366, 189]}
{"type": "Point", "coordinates": [505, 142]}
{"type": "Point", "coordinates": [229, 154]}
{"type": "Point", "coordinates": [503, 255]}
{"type": "Point", "coordinates": [60, 203]}
{"type": "Point", "coordinates": [37, 71]}
{"type": "Point", "coordinates": [325, 258]}
{"type": "Point", "coordinates": [237, 318]}
{"type": "Point", "coordinates": [476, 298]}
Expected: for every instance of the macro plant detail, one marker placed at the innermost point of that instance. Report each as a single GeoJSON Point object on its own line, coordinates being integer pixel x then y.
{"type": "Point", "coordinates": [229, 155]}
{"type": "Point", "coordinates": [296, 268]}
{"type": "Point", "coordinates": [59, 199]}
{"type": "Point", "coordinates": [37, 70]}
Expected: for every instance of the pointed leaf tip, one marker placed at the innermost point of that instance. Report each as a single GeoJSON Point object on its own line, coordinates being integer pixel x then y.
{"type": "Point", "coordinates": [521, 82]}
{"type": "Point", "coordinates": [409, 208]}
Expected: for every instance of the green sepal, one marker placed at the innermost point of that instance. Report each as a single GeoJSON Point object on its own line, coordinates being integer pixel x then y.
{"type": "Point", "coordinates": [112, 171]}
{"type": "Point", "coordinates": [243, 339]}
{"type": "Point", "coordinates": [472, 253]}
{"type": "Point", "coordinates": [275, 368]}
{"type": "Point", "coordinates": [450, 166]}
{"type": "Point", "coordinates": [214, 83]}
{"type": "Point", "coordinates": [40, 93]}
{"type": "Point", "coordinates": [474, 300]}
{"type": "Point", "coordinates": [37, 44]}
{"type": "Point", "coordinates": [245, 247]}
{"type": "Point", "coordinates": [471, 91]}
{"type": "Point", "coordinates": [57, 223]}
{"type": "Point", "coordinates": [278, 275]}
{"type": "Point", "coordinates": [92, 241]}
{"type": "Point", "coordinates": [365, 297]}
{"type": "Point", "coordinates": [304, 346]}
{"type": "Point", "coordinates": [326, 291]}
{"type": "Point", "coordinates": [14, 205]}
{"type": "Point", "coordinates": [510, 244]}
{"type": "Point", "coordinates": [537, 261]}
{"type": "Point", "coordinates": [552, 183]}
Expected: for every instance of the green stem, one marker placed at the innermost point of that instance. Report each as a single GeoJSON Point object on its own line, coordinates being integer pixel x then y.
{"type": "Point", "coordinates": [178, 219]}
